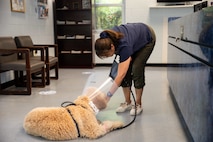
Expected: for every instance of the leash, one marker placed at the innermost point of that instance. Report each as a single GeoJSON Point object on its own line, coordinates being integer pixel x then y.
{"type": "Point", "coordinates": [68, 103]}
{"type": "Point", "coordinates": [133, 120]}
{"type": "Point", "coordinates": [135, 111]}
{"type": "Point", "coordinates": [113, 74]}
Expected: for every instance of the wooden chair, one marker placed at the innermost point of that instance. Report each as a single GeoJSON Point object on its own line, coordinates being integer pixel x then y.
{"type": "Point", "coordinates": [9, 62]}
{"type": "Point", "coordinates": [50, 61]}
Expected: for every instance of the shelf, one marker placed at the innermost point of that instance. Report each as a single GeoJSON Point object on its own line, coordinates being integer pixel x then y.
{"type": "Point", "coordinates": [75, 61]}
{"type": "Point", "coordinates": [73, 10]}
{"type": "Point", "coordinates": [72, 39]}
{"type": "Point", "coordinates": [73, 33]}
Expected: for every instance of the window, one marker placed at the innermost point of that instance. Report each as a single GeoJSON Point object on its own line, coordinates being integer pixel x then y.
{"type": "Point", "coordinates": [108, 13]}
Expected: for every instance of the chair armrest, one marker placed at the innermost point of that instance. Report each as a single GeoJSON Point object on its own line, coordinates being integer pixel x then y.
{"type": "Point", "coordinates": [35, 47]}
{"type": "Point", "coordinates": [41, 49]}
{"type": "Point", "coordinates": [5, 52]}
{"type": "Point", "coordinates": [55, 46]}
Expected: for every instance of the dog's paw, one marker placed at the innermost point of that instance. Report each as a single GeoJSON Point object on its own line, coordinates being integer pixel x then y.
{"type": "Point", "coordinates": [107, 125]}
{"type": "Point", "coordinates": [117, 124]}
{"type": "Point", "coordinates": [112, 125]}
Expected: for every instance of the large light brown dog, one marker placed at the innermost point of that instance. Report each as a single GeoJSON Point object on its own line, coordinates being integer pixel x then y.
{"type": "Point", "coordinates": [71, 122]}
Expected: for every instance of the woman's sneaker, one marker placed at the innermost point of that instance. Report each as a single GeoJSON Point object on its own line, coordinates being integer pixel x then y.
{"type": "Point", "coordinates": [139, 109]}
{"type": "Point", "coordinates": [124, 107]}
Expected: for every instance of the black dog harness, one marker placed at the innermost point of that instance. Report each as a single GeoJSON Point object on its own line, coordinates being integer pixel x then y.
{"type": "Point", "coordinates": [65, 106]}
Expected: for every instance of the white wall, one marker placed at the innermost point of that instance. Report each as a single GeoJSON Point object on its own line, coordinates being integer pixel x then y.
{"type": "Point", "coordinates": [136, 11]}
{"type": "Point", "coordinates": [41, 30]}
{"type": "Point", "coordinates": [146, 11]}
{"type": "Point", "coordinates": [28, 23]}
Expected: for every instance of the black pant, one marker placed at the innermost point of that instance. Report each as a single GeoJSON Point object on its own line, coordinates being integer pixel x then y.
{"type": "Point", "coordinates": [136, 71]}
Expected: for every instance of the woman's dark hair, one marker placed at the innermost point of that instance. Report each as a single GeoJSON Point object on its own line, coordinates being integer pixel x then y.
{"type": "Point", "coordinates": [103, 44]}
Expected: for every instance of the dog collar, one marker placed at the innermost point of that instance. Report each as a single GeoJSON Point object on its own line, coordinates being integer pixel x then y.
{"type": "Point", "coordinates": [95, 109]}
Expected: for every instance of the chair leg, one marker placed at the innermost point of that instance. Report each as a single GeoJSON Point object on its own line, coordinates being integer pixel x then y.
{"type": "Point", "coordinates": [16, 74]}
{"type": "Point", "coordinates": [47, 74]}
{"type": "Point", "coordinates": [19, 79]}
{"type": "Point", "coordinates": [56, 71]}
{"type": "Point", "coordinates": [28, 85]}
{"type": "Point", "coordinates": [0, 85]}
{"type": "Point", "coordinates": [29, 81]}
{"type": "Point", "coordinates": [43, 77]}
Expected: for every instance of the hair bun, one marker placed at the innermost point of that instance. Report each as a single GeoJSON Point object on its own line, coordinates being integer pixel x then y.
{"type": "Point", "coordinates": [104, 35]}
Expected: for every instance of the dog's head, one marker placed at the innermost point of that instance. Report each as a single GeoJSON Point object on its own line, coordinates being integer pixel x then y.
{"type": "Point", "coordinates": [97, 97]}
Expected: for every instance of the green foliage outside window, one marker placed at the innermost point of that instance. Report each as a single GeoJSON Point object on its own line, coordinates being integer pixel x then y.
{"type": "Point", "coordinates": [108, 13]}
{"type": "Point", "coordinates": [108, 17]}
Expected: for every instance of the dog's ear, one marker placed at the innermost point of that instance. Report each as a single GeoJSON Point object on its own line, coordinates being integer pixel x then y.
{"type": "Point", "coordinates": [82, 100]}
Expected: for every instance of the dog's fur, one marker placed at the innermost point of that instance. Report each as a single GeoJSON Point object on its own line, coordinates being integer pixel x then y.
{"type": "Point", "coordinates": [56, 123]}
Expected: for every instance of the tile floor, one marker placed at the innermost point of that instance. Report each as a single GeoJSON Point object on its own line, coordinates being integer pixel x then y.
{"type": "Point", "coordinates": [158, 123]}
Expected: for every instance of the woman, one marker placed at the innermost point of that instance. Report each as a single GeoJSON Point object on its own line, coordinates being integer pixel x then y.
{"type": "Point", "coordinates": [134, 43]}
